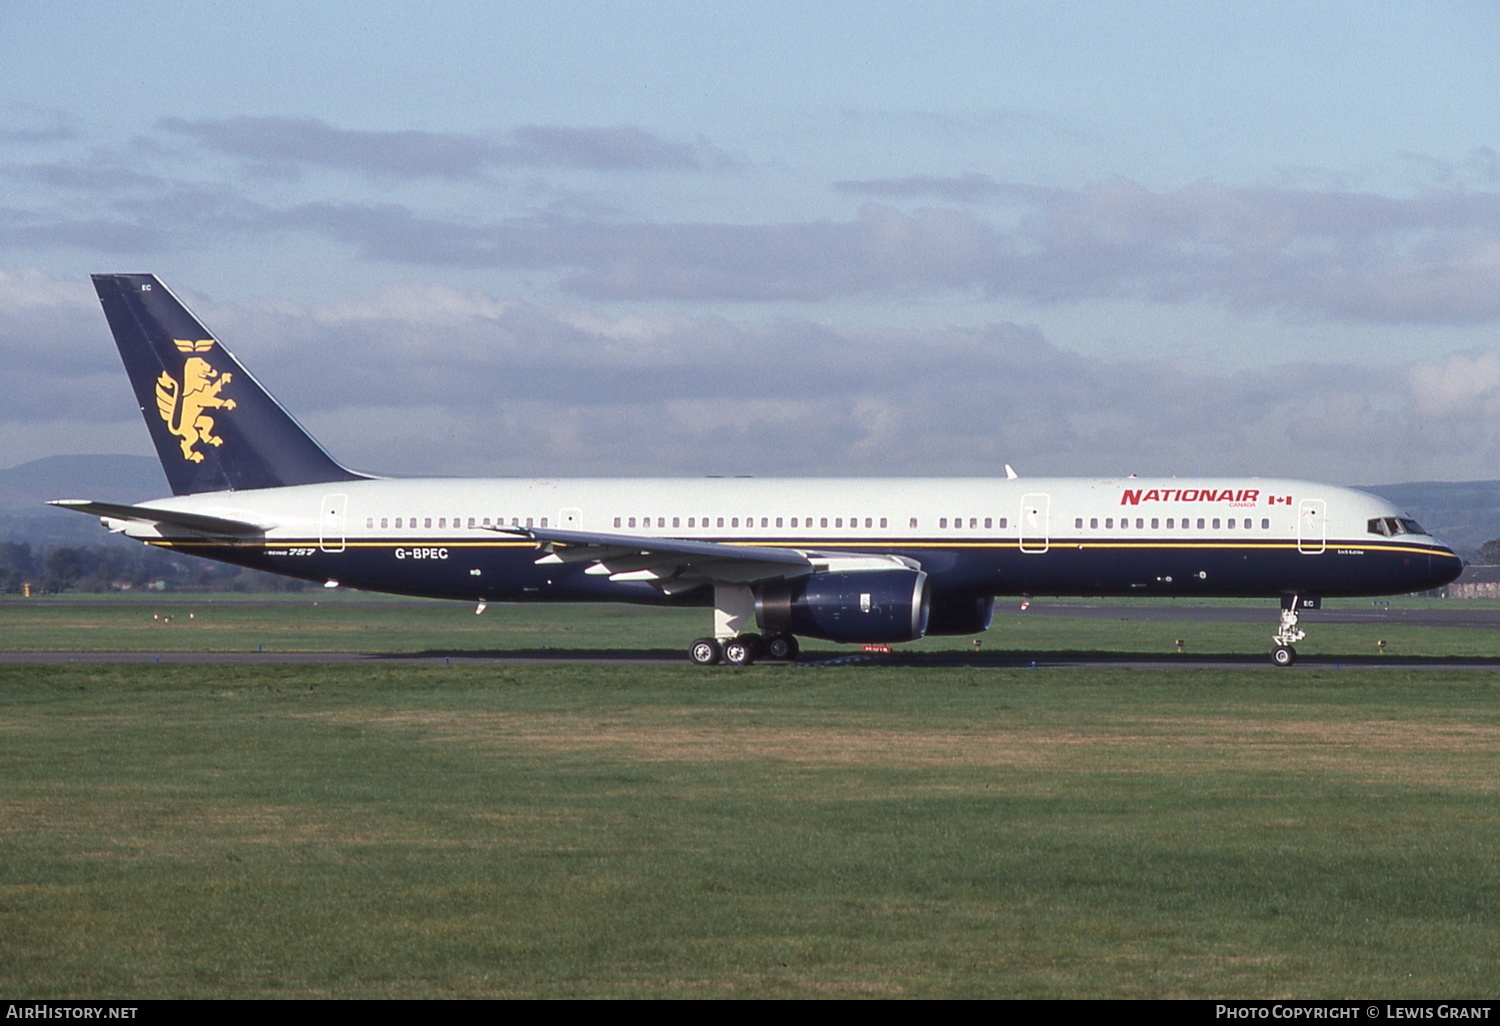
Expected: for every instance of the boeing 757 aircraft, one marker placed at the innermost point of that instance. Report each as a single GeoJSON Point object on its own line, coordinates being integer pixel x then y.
{"type": "Point", "coordinates": [846, 560]}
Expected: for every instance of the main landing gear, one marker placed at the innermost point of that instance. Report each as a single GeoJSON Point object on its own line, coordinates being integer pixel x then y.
{"type": "Point", "coordinates": [743, 649]}
{"type": "Point", "coordinates": [732, 643]}
{"type": "Point", "coordinates": [1289, 633]}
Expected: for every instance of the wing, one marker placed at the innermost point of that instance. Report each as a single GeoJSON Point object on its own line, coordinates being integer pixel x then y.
{"type": "Point", "coordinates": [676, 565]}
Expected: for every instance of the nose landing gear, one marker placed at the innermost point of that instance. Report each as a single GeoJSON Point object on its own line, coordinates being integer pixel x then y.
{"type": "Point", "coordinates": [1288, 634]}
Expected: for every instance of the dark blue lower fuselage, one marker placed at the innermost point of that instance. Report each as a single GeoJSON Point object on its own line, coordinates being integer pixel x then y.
{"type": "Point", "coordinates": [507, 571]}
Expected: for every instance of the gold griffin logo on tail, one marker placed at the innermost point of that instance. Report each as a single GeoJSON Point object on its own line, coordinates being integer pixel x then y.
{"type": "Point", "coordinates": [182, 404]}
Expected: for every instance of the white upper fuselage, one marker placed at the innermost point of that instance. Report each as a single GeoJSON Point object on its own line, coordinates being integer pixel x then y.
{"type": "Point", "coordinates": [794, 511]}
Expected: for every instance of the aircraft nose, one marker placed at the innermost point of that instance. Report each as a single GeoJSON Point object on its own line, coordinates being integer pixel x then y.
{"type": "Point", "coordinates": [1443, 566]}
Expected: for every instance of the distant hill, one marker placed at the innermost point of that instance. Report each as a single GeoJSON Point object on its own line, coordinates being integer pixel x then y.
{"type": "Point", "coordinates": [113, 478]}
{"type": "Point", "coordinates": [24, 489]}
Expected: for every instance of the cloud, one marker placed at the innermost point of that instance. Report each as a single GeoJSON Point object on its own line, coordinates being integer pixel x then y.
{"type": "Point", "coordinates": [1432, 257]}
{"type": "Point", "coordinates": [289, 143]}
{"type": "Point", "coordinates": [969, 188]}
{"type": "Point", "coordinates": [28, 125]}
{"type": "Point", "coordinates": [881, 249]}
{"type": "Point", "coordinates": [416, 378]}
{"type": "Point", "coordinates": [1460, 386]}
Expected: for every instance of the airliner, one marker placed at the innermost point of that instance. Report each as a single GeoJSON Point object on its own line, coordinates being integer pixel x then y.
{"type": "Point", "coordinates": [869, 561]}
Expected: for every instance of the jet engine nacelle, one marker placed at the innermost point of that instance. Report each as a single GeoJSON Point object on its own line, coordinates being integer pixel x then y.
{"type": "Point", "coordinates": [849, 606]}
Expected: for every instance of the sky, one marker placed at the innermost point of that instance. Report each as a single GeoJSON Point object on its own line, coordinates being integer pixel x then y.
{"type": "Point", "coordinates": [769, 238]}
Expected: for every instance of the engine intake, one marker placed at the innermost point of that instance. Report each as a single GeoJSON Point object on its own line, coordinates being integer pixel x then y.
{"type": "Point", "coordinates": [850, 606]}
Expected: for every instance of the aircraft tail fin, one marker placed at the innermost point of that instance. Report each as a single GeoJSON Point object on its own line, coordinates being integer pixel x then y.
{"type": "Point", "coordinates": [214, 426]}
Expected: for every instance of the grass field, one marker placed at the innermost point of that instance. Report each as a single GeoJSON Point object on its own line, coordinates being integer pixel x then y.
{"type": "Point", "coordinates": [659, 831]}
{"type": "Point", "coordinates": [417, 831]}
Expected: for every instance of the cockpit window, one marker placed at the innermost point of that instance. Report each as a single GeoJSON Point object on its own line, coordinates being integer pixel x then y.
{"type": "Point", "coordinates": [1389, 527]}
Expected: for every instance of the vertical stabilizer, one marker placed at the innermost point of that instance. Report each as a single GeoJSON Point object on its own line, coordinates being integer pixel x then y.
{"type": "Point", "coordinates": [214, 426]}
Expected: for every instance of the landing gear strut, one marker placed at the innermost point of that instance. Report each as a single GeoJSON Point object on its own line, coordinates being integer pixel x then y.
{"type": "Point", "coordinates": [1289, 633]}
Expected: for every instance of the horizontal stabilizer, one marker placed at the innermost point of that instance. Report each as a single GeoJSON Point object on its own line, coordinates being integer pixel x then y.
{"type": "Point", "coordinates": [199, 522]}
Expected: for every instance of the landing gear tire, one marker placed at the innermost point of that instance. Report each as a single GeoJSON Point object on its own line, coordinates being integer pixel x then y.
{"type": "Point", "coordinates": [743, 650]}
{"type": "Point", "coordinates": [782, 647]}
{"type": "Point", "coordinates": [705, 652]}
{"type": "Point", "coordinates": [1283, 655]}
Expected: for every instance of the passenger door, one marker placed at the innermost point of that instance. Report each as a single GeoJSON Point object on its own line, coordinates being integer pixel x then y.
{"type": "Point", "coordinates": [1312, 527]}
{"type": "Point", "coordinates": [331, 520]}
{"type": "Point", "coordinates": [1034, 527]}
